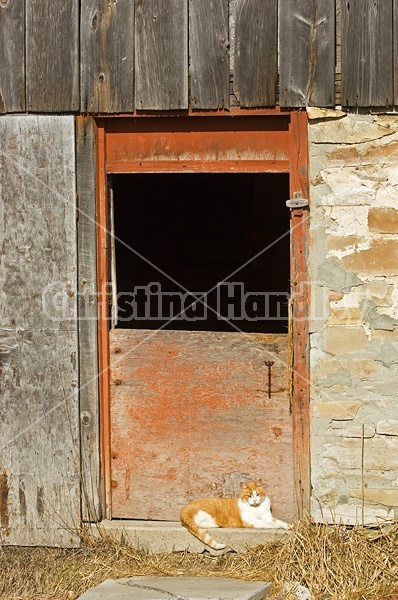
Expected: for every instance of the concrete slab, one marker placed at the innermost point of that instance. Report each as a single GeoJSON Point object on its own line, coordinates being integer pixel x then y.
{"type": "Point", "coordinates": [169, 536]}
{"type": "Point", "coordinates": [178, 588]}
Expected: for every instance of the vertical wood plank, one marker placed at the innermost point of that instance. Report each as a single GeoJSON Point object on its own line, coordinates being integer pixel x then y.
{"type": "Point", "coordinates": [103, 314]}
{"type": "Point", "coordinates": [256, 60]}
{"type": "Point", "coordinates": [107, 56]}
{"type": "Point", "coordinates": [299, 224]}
{"type": "Point", "coordinates": [161, 54]}
{"type": "Point", "coordinates": [395, 50]}
{"type": "Point", "coordinates": [39, 444]}
{"type": "Point", "coordinates": [87, 319]}
{"type": "Point", "coordinates": [366, 53]}
{"type": "Point", "coordinates": [12, 56]}
{"type": "Point", "coordinates": [306, 52]}
{"type": "Point", "coordinates": [209, 55]}
{"type": "Point", "coordinates": [52, 56]}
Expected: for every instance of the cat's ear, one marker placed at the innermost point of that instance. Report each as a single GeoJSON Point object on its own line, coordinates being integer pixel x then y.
{"type": "Point", "coordinates": [260, 482]}
{"type": "Point", "coordinates": [242, 484]}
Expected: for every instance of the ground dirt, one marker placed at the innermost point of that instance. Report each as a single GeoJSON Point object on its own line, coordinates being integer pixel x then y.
{"type": "Point", "coordinates": [333, 562]}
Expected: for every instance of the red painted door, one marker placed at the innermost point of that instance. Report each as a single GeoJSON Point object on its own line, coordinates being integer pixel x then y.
{"type": "Point", "coordinates": [191, 413]}
{"type": "Point", "coordinates": [191, 416]}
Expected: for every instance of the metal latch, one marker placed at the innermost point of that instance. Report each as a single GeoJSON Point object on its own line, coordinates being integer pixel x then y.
{"type": "Point", "coordinates": [297, 201]}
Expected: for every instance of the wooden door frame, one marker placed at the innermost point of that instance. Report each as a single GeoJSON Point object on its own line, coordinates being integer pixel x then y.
{"type": "Point", "coordinates": [297, 167]}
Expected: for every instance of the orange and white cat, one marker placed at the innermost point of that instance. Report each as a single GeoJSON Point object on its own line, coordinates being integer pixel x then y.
{"type": "Point", "coordinates": [251, 509]}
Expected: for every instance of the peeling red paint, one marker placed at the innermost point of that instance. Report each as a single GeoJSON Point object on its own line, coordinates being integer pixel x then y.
{"type": "Point", "coordinates": [190, 410]}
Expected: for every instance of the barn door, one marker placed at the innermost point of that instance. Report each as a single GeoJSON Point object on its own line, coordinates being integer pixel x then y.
{"type": "Point", "coordinates": [200, 354]}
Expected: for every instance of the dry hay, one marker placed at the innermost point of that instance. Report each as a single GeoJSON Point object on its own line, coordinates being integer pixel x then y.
{"type": "Point", "coordinates": [335, 562]}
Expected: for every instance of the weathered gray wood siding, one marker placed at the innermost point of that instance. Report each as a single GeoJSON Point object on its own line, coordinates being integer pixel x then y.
{"type": "Point", "coordinates": [52, 55]}
{"type": "Point", "coordinates": [87, 325]}
{"type": "Point", "coordinates": [307, 52]}
{"type": "Point", "coordinates": [107, 56]}
{"type": "Point", "coordinates": [99, 57]}
{"type": "Point", "coordinates": [255, 53]}
{"type": "Point", "coordinates": [12, 56]}
{"type": "Point", "coordinates": [39, 440]}
{"type": "Point", "coordinates": [209, 55]}
{"type": "Point", "coordinates": [367, 53]}
{"type": "Point", "coordinates": [161, 54]}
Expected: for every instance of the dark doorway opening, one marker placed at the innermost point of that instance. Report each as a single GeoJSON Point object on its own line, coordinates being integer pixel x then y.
{"type": "Point", "coordinates": [182, 235]}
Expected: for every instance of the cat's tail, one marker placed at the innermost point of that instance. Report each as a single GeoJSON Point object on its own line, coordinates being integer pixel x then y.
{"type": "Point", "coordinates": [187, 519]}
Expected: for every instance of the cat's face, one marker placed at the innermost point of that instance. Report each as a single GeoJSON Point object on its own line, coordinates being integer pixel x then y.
{"type": "Point", "coordinates": [253, 493]}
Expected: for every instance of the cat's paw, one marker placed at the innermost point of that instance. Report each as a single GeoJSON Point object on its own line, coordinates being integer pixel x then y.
{"type": "Point", "coordinates": [218, 546]}
{"type": "Point", "coordinates": [281, 524]}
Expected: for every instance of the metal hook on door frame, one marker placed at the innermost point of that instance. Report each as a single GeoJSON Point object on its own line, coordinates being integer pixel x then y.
{"type": "Point", "coordinates": [269, 363]}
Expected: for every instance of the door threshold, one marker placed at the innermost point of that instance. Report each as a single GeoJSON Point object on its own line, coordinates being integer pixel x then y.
{"type": "Point", "coordinates": [157, 537]}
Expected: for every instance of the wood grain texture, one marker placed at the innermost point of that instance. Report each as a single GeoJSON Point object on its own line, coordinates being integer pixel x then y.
{"type": "Point", "coordinates": [52, 56]}
{"type": "Point", "coordinates": [39, 448]}
{"type": "Point", "coordinates": [367, 53]}
{"type": "Point", "coordinates": [209, 54]}
{"type": "Point", "coordinates": [395, 50]}
{"type": "Point", "coordinates": [161, 54]}
{"type": "Point", "coordinates": [306, 52]}
{"type": "Point", "coordinates": [107, 56]}
{"type": "Point", "coordinates": [190, 412]}
{"type": "Point", "coordinates": [255, 47]}
{"type": "Point", "coordinates": [300, 294]}
{"type": "Point", "coordinates": [87, 324]}
{"type": "Point", "coordinates": [12, 56]}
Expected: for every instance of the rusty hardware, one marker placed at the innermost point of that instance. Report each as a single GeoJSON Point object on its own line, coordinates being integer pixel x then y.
{"type": "Point", "coordinates": [118, 382]}
{"type": "Point", "coordinates": [117, 350]}
{"type": "Point", "coordinates": [114, 483]}
{"type": "Point", "coordinates": [269, 363]}
{"type": "Point", "coordinates": [115, 455]}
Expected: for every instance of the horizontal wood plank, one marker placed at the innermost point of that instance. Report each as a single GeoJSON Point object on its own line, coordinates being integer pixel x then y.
{"type": "Point", "coordinates": [12, 56]}
{"type": "Point", "coordinates": [209, 55]}
{"type": "Point", "coordinates": [367, 53]}
{"type": "Point", "coordinates": [221, 166]}
{"type": "Point", "coordinates": [161, 54]}
{"type": "Point", "coordinates": [107, 56]}
{"type": "Point", "coordinates": [255, 52]}
{"type": "Point", "coordinates": [306, 53]}
{"type": "Point", "coordinates": [52, 56]}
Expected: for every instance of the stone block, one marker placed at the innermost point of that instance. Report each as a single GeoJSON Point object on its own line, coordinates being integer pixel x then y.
{"type": "Point", "coordinates": [385, 335]}
{"type": "Point", "coordinates": [387, 497]}
{"type": "Point", "coordinates": [350, 514]}
{"type": "Point", "coordinates": [353, 431]}
{"type": "Point", "coordinates": [324, 113]}
{"type": "Point", "coordinates": [380, 453]}
{"type": "Point", "coordinates": [335, 296]}
{"type": "Point", "coordinates": [340, 243]}
{"type": "Point", "coordinates": [357, 367]}
{"type": "Point", "coordinates": [340, 411]}
{"type": "Point", "coordinates": [345, 187]}
{"type": "Point", "coordinates": [345, 222]}
{"type": "Point", "coordinates": [387, 427]}
{"type": "Point", "coordinates": [364, 153]}
{"type": "Point", "coordinates": [379, 259]}
{"type": "Point", "coordinates": [345, 316]}
{"type": "Point", "coordinates": [351, 129]}
{"type": "Point", "coordinates": [343, 340]}
{"type": "Point", "coordinates": [378, 291]}
{"type": "Point", "coordinates": [383, 220]}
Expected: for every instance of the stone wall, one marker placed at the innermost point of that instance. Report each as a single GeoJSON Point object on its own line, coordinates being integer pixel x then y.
{"type": "Point", "coordinates": [354, 325]}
